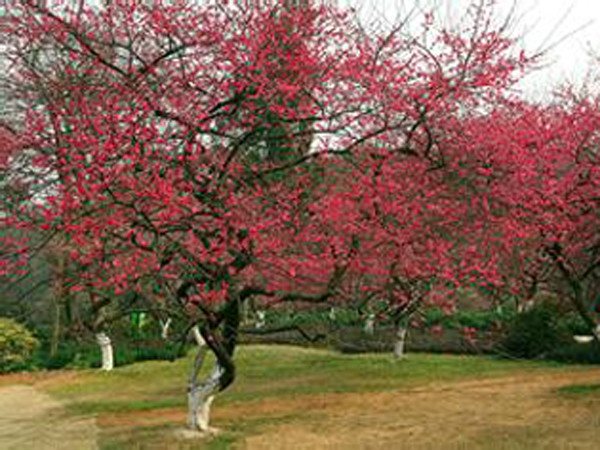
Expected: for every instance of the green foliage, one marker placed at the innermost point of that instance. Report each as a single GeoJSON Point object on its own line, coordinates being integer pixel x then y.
{"type": "Point", "coordinates": [17, 345]}
{"type": "Point", "coordinates": [535, 333]}
{"type": "Point", "coordinates": [343, 316]}
{"type": "Point", "coordinates": [65, 354]}
{"type": "Point", "coordinates": [484, 320]}
{"type": "Point", "coordinates": [147, 350]}
{"type": "Point", "coordinates": [480, 320]}
{"type": "Point", "coordinates": [86, 354]}
{"type": "Point", "coordinates": [435, 316]}
{"type": "Point", "coordinates": [572, 352]}
{"type": "Point", "coordinates": [573, 324]}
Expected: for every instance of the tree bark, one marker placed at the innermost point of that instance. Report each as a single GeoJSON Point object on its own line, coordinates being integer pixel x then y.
{"type": "Point", "coordinates": [106, 350]}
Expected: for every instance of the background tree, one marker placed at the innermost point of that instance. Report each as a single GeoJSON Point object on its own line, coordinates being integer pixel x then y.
{"type": "Point", "coordinates": [534, 176]}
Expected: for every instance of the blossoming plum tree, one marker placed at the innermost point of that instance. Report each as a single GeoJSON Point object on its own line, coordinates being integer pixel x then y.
{"type": "Point", "coordinates": [223, 150]}
{"type": "Point", "coordinates": [536, 178]}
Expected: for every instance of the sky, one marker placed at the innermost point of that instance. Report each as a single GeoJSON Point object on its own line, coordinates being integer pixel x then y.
{"type": "Point", "coordinates": [568, 29]}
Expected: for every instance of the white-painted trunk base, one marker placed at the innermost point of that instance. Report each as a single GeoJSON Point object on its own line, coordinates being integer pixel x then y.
{"type": "Point", "coordinates": [400, 342]}
{"type": "Point", "coordinates": [198, 336]}
{"type": "Point", "coordinates": [201, 412]}
{"type": "Point", "coordinates": [187, 433]}
{"type": "Point", "coordinates": [370, 324]}
{"type": "Point", "coordinates": [106, 350]}
{"type": "Point", "coordinates": [261, 319]}
{"type": "Point", "coordinates": [164, 328]}
{"type": "Point", "coordinates": [332, 314]}
{"type": "Point", "coordinates": [200, 399]}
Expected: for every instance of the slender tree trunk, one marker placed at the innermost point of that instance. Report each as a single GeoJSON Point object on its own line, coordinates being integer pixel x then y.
{"type": "Point", "coordinates": [261, 319]}
{"type": "Point", "coordinates": [106, 350]}
{"type": "Point", "coordinates": [55, 337]}
{"type": "Point", "coordinates": [401, 332]}
{"type": "Point", "coordinates": [58, 297]}
{"type": "Point", "coordinates": [164, 328]}
{"type": "Point", "coordinates": [369, 326]}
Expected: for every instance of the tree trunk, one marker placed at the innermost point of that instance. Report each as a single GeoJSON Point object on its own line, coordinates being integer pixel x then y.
{"type": "Point", "coordinates": [55, 337]}
{"type": "Point", "coordinates": [107, 351]}
{"type": "Point", "coordinates": [332, 314]}
{"type": "Point", "coordinates": [401, 331]}
{"type": "Point", "coordinates": [200, 398]}
{"type": "Point", "coordinates": [222, 345]}
{"type": "Point", "coordinates": [58, 297]}
{"type": "Point", "coordinates": [198, 337]}
{"type": "Point", "coordinates": [164, 328]}
{"type": "Point", "coordinates": [261, 319]}
{"type": "Point", "coordinates": [370, 324]}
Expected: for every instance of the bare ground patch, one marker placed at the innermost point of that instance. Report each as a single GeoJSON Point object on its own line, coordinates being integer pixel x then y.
{"type": "Point", "coordinates": [32, 420]}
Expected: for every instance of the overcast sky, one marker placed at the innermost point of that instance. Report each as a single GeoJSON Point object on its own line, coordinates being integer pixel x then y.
{"type": "Point", "coordinates": [570, 28]}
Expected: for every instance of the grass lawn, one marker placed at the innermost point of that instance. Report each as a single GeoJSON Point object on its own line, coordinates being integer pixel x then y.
{"type": "Point", "coordinates": [294, 398]}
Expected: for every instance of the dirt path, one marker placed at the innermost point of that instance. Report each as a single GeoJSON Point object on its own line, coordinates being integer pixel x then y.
{"type": "Point", "coordinates": [31, 420]}
{"type": "Point", "coordinates": [523, 412]}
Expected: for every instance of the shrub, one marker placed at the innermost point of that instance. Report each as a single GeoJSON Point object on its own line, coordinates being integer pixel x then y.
{"type": "Point", "coordinates": [479, 320]}
{"type": "Point", "coordinates": [535, 333]}
{"type": "Point", "coordinates": [17, 345]}
{"type": "Point", "coordinates": [85, 353]}
{"type": "Point", "coordinates": [572, 352]}
{"type": "Point", "coordinates": [573, 324]}
{"type": "Point", "coordinates": [484, 320]}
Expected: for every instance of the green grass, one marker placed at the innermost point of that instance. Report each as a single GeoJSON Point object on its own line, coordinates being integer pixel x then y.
{"type": "Point", "coordinates": [580, 389]}
{"type": "Point", "coordinates": [264, 372]}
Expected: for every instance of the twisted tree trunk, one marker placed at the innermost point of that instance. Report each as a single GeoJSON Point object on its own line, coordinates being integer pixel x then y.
{"type": "Point", "coordinates": [201, 395]}
{"type": "Point", "coordinates": [222, 345]}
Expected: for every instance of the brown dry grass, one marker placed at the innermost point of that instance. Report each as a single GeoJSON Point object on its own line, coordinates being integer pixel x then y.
{"type": "Point", "coordinates": [522, 412]}
{"type": "Point", "coordinates": [508, 413]}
